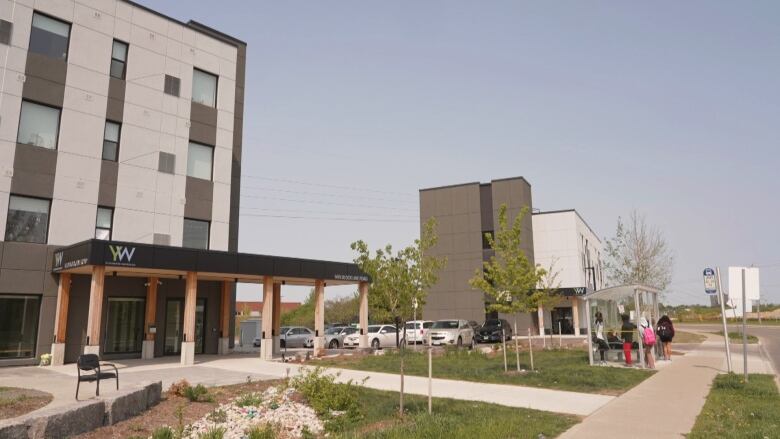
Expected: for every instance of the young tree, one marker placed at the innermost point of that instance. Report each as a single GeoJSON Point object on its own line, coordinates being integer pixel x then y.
{"type": "Point", "coordinates": [397, 279]}
{"type": "Point", "coordinates": [638, 253]}
{"type": "Point", "coordinates": [509, 278]}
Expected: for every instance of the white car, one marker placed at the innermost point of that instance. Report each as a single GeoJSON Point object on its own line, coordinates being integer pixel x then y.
{"type": "Point", "coordinates": [379, 336]}
{"type": "Point", "coordinates": [417, 331]}
{"type": "Point", "coordinates": [452, 332]}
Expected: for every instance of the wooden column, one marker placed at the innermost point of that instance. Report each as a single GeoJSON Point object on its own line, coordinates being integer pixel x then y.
{"type": "Point", "coordinates": [319, 316]}
{"type": "Point", "coordinates": [151, 306]}
{"type": "Point", "coordinates": [266, 344]}
{"type": "Point", "coordinates": [63, 299]}
{"type": "Point", "coordinates": [190, 301]}
{"type": "Point", "coordinates": [277, 316]}
{"type": "Point", "coordinates": [575, 312]}
{"type": "Point", "coordinates": [95, 309]}
{"type": "Point", "coordinates": [363, 313]}
{"type": "Point", "coordinates": [224, 310]}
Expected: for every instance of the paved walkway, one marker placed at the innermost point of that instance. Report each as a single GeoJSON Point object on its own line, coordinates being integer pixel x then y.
{"type": "Point", "coordinates": [667, 404]}
{"type": "Point", "coordinates": [232, 369]}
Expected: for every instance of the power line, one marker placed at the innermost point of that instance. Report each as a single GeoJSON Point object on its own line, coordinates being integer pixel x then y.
{"type": "Point", "coordinates": [333, 186]}
{"type": "Point", "coordinates": [324, 194]}
{"type": "Point", "coordinates": [378, 220]}
{"type": "Point", "coordinates": [328, 203]}
{"type": "Point", "coordinates": [328, 213]}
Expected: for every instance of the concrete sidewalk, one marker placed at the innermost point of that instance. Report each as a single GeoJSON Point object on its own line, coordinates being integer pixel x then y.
{"type": "Point", "coordinates": [236, 368]}
{"type": "Point", "coordinates": [667, 404]}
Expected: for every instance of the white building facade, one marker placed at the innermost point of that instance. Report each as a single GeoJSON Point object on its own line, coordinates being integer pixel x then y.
{"type": "Point", "coordinates": [564, 244]}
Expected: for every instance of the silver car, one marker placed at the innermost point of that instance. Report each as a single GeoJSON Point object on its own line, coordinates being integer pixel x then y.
{"type": "Point", "coordinates": [451, 332]}
{"type": "Point", "coordinates": [334, 337]}
{"type": "Point", "coordinates": [296, 337]}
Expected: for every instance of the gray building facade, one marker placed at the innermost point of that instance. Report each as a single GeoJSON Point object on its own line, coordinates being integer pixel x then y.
{"type": "Point", "coordinates": [464, 213]}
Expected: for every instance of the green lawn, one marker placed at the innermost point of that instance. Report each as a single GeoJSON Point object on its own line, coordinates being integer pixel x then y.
{"type": "Point", "coordinates": [735, 409]}
{"type": "Point", "coordinates": [688, 337]}
{"type": "Point", "coordinates": [451, 418]}
{"type": "Point", "coordinates": [556, 369]}
{"type": "Point", "coordinates": [736, 336]}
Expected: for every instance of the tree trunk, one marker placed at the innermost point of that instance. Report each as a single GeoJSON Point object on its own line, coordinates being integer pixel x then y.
{"type": "Point", "coordinates": [401, 402]}
{"type": "Point", "coordinates": [503, 341]}
{"type": "Point", "coordinates": [517, 347]}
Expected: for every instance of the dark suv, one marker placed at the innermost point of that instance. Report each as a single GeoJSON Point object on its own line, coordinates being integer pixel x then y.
{"type": "Point", "coordinates": [490, 331]}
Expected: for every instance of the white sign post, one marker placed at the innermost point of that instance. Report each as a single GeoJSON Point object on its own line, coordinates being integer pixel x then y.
{"type": "Point", "coordinates": [721, 299]}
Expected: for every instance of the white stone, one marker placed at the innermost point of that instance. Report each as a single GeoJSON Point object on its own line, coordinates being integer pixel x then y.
{"type": "Point", "coordinates": [57, 354]}
{"type": "Point", "coordinates": [266, 349]}
{"type": "Point", "coordinates": [188, 353]}
{"type": "Point", "coordinates": [92, 349]}
{"type": "Point", "coordinates": [147, 349]}
{"type": "Point", "coordinates": [223, 347]}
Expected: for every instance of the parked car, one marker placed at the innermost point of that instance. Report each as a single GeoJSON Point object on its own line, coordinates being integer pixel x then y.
{"type": "Point", "coordinates": [379, 336]}
{"type": "Point", "coordinates": [334, 337]}
{"type": "Point", "coordinates": [452, 332]}
{"type": "Point", "coordinates": [490, 331]}
{"type": "Point", "coordinates": [296, 337]}
{"type": "Point", "coordinates": [417, 331]}
{"type": "Point", "coordinates": [256, 342]}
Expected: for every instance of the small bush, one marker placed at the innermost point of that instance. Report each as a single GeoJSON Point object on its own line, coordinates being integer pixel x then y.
{"type": "Point", "coordinates": [249, 400]}
{"type": "Point", "coordinates": [213, 433]}
{"type": "Point", "coordinates": [198, 393]}
{"type": "Point", "coordinates": [163, 433]}
{"type": "Point", "coordinates": [217, 416]}
{"type": "Point", "coordinates": [335, 403]}
{"type": "Point", "coordinates": [265, 431]}
{"type": "Point", "coordinates": [178, 387]}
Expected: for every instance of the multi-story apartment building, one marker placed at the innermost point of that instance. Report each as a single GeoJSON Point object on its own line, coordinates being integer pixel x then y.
{"type": "Point", "coordinates": [570, 250]}
{"type": "Point", "coordinates": [464, 213]}
{"type": "Point", "coordinates": [120, 167]}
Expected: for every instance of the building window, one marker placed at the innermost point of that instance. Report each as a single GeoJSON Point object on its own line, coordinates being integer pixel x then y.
{"type": "Point", "coordinates": [204, 88]}
{"type": "Point", "coordinates": [28, 219]}
{"type": "Point", "coordinates": [124, 325]}
{"type": "Point", "coordinates": [39, 125]}
{"type": "Point", "coordinates": [196, 234]}
{"type": "Point", "coordinates": [118, 59]}
{"type": "Point", "coordinates": [485, 242]}
{"type": "Point", "coordinates": [18, 325]}
{"type": "Point", "coordinates": [172, 84]}
{"type": "Point", "coordinates": [111, 141]}
{"type": "Point", "coordinates": [104, 223]}
{"type": "Point", "coordinates": [166, 162]}
{"type": "Point", "coordinates": [49, 37]}
{"type": "Point", "coordinates": [6, 29]}
{"type": "Point", "coordinates": [199, 160]}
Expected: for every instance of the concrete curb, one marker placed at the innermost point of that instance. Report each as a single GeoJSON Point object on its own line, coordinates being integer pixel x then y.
{"type": "Point", "coordinates": [83, 416]}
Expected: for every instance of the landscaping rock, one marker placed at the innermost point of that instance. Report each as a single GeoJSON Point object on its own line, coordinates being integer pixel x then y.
{"type": "Point", "coordinates": [13, 430]}
{"type": "Point", "coordinates": [67, 421]}
{"type": "Point", "coordinates": [125, 405]}
{"type": "Point", "coordinates": [153, 393]}
{"type": "Point", "coordinates": [486, 349]}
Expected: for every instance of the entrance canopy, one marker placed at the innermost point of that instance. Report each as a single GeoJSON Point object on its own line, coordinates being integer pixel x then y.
{"type": "Point", "coordinates": [143, 260]}
{"type": "Point", "coordinates": [637, 300]}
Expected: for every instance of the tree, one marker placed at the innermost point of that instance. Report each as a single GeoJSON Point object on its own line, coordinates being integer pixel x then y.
{"type": "Point", "coordinates": [302, 315]}
{"type": "Point", "coordinates": [508, 277]}
{"type": "Point", "coordinates": [638, 254]}
{"type": "Point", "coordinates": [398, 279]}
{"type": "Point", "coordinates": [343, 309]}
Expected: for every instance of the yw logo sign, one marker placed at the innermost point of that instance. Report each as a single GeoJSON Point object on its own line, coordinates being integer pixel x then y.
{"type": "Point", "coordinates": [120, 253]}
{"type": "Point", "coordinates": [58, 259]}
{"type": "Point", "coordinates": [579, 291]}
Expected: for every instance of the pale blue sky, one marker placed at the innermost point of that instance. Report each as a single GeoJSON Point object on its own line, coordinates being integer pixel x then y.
{"type": "Point", "coordinates": [667, 107]}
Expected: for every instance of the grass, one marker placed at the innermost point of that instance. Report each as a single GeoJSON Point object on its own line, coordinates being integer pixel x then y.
{"type": "Point", "coordinates": [735, 409]}
{"type": "Point", "coordinates": [452, 419]}
{"type": "Point", "coordinates": [688, 337]}
{"type": "Point", "coordinates": [736, 336]}
{"type": "Point", "coordinates": [556, 369]}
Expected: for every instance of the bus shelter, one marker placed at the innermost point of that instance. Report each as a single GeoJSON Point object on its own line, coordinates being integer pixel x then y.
{"type": "Point", "coordinates": [638, 301]}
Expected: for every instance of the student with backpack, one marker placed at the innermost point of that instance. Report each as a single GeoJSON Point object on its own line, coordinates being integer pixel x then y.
{"type": "Point", "coordinates": [648, 341]}
{"type": "Point", "coordinates": [665, 331]}
{"type": "Point", "coordinates": [627, 332]}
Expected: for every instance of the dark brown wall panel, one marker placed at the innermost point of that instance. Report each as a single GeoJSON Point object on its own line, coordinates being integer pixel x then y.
{"type": "Point", "coordinates": [108, 179]}
{"type": "Point", "coordinates": [34, 169]}
{"type": "Point", "coordinates": [199, 194]}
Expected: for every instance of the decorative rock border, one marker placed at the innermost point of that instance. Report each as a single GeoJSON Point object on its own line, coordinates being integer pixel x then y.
{"type": "Point", "coordinates": [81, 417]}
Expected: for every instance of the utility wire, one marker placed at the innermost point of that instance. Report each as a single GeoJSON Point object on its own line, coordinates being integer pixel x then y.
{"type": "Point", "coordinates": [333, 186]}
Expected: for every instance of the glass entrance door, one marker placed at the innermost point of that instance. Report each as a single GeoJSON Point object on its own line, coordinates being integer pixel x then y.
{"type": "Point", "coordinates": [124, 325]}
{"type": "Point", "coordinates": [174, 325]}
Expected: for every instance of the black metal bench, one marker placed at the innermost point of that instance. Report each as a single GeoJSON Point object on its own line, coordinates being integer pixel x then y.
{"type": "Point", "coordinates": [91, 363]}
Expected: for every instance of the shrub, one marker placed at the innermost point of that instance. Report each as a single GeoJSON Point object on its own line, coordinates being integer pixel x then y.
{"type": "Point", "coordinates": [217, 416]}
{"type": "Point", "coordinates": [178, 387]}
{"type": "Point", "coordinates": [163, 433]}
{"type": "Point", "coordinates": [335, 403]}
{"type": "Point", "coordinates": [198, 393]}
{"type": "Point", "coordinates": [213, 433]}
{"type": "Point", "coordinates": [265, 431]}
{"type": "Point", "coordinates": [249, 400]}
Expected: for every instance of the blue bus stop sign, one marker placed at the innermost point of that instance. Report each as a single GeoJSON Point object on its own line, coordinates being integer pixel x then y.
{"type": "Point", "coordinates": [710, 283]}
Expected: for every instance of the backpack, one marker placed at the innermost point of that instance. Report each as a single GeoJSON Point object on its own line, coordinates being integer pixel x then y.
{"type": "Point", "coordinates": [648, 336]}
{"type": "Point", "coordinates": [664, 331]}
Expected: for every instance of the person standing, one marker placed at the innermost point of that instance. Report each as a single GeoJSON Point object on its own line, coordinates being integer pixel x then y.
{"type": "Point", "coordinates": [627, 334]}
{"type": "Point", "coordinates": [599, 338]}
{"type": "Point", "coordinates": [648, 341]}
{"type": "Point", "coordinates": [665, 331]}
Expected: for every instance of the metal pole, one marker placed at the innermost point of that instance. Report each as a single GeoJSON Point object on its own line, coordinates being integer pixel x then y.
{"type": "Point", "coordinates": [560, 336]}
{"type": "Point", "coordinates": [637, 318]}
{"type": "Point", "coordinates": [590, 336]}
{"type": "Point", "coordinates": [531, 348]}
{"type": "Point", "coordinates": [744, 323]}
{"type": "Point", "coordinates": [723, 317]}
{"type": "Point", "coordinates": [430, 375]}
{"type": "Point", "coordinates": [503, 341]}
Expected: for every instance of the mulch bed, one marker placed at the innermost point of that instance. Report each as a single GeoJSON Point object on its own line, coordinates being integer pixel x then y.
{"type": "Point", "coordinates": [166, 412]}
{"type": "Point", "coordinates": [15, 401]}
